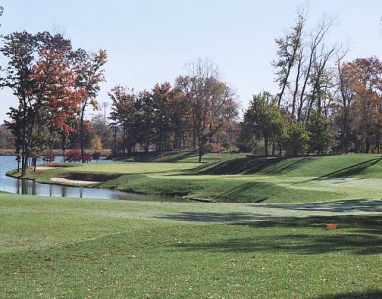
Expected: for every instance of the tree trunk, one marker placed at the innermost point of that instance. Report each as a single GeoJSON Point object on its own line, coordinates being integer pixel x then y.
{"type": "Point", "coordinates": [200, 155]}
{"type": "Point", "coordinates": [24, 165]}
{"type": "Point", "coordinates": [82, 136]}
{"type": "Point", "coordinates": [266, 146]}
{"type": "Point", "coordinates": [367, 145]}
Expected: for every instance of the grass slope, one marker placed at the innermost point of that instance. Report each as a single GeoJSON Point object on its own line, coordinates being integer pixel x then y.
{"type": "Point", "coordinates": [235, 178]}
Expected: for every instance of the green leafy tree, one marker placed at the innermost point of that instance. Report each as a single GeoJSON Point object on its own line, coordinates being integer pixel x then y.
{"type": "Point", "coordinates": [320, 135]}
{"type": "Point", "coordinates": [124, 116]}
{"type": "Point", "coordinates": [90, 75]}
{"type": "Point", "coordinates": [295, 138]}
{"type": "Point", "coordinates": [145, 119]}
{"type": "Point", "coordinates": [262, 120]}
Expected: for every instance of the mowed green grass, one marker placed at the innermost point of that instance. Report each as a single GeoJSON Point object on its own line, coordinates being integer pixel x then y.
{"type": "Point", "coordinates": [84, 248]}
{"type": "Point", "coordinates": [77, 248]}
{"type": "Point", "coordinates": [235, 178]}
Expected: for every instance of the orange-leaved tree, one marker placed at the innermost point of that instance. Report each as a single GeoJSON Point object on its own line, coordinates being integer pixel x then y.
{"type": "Point", "coordinates": [39, 73]}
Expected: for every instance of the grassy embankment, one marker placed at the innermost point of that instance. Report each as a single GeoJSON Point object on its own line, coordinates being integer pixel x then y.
{"type": "Point", "coordinates": [77, 248]}
{"type": "Point", "coordinates": [235, 178]}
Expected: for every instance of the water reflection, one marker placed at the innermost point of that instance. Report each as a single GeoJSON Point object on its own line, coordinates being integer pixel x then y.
{"type": "Point", "coordinates": [30, 187]}
{"type": "Point", "coordinates": [25, 187]}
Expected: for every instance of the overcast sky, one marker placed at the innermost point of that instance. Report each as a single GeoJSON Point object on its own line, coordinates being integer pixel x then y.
{"type": "Point", "coordinates": [151, 41]}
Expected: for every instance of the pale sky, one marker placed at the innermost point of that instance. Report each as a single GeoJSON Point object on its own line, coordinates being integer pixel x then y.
{"type": "Point", "coordinates": [150, 41]}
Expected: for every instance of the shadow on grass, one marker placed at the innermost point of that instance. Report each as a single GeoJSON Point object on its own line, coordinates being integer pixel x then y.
{"type": "Point", "coordinates": [171, 156]}
{"type": "Point", "coordinates": [263, 165]}
{"type": "Point", "coordinates": [350, 171]}
{"type": "Point", "coordinates": [257, 197]}
{"type": "Point", "coordinates": [278, 166]}
{"type": "Point", "coordinates": [353, 295]}
{"type": "Point", "coordinates": [361, 235]}
{"type": "Point", "coordinates": [345, 206]}
{"type": "Point", "coordinates": [341, 206]}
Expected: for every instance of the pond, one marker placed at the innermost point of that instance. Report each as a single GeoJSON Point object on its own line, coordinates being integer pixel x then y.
{"type": "Point", "coordinates": [23, 186]}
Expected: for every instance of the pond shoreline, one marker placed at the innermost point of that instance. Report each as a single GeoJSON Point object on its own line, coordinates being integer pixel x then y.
{"type": "Point", "coordinates": [15, 185]}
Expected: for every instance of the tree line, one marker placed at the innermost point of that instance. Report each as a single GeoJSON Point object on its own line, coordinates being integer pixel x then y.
{"type": "Point", "coordinates": [199, 112]}
{"type": "Point", "coordinates": [55, 84]}
{"type": "Point", "coordinates": [323, 103]}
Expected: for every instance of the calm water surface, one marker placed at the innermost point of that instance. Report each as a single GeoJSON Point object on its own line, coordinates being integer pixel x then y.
{"type": "Point", "coordinates": [23, 186]}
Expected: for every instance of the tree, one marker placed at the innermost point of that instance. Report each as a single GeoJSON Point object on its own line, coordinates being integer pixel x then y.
{"type": "Point", "coordinates": [302, 69]}
{"type": "Point", "coordinates": [262, 120]}
{"type": "Point", "coordinates": [359, 104]}
{"type": "Point", "coordinates": [124, 115]}
{"type": "Point", "coordinates": [346, 78]}
{"type": "Point", "coordinates": [16, 128]}
{"type": "Point", "coordinates": [6, 138]}
{"type": "Point", "coordinates": [178, 111]}
{"type": "Point", "coordinates": [90, 75]}
{"type": "Point", "coordinates": [96, 143]}
{"type": "Point", "coordinates": [366, 109]}
{"type": "Point", "coordinates": [289, 50]}
{"type": "Point", "coordinates": [211, 103]}
{"type": "Point", "coordinates": [145, 119]}
{"type": "Point", "coordinates": [19, 48]}
{"type": "Point", "coordinates": [55, 82]}
{"type": "Point", "coordinates": [161, 96]}
{"type": "Point", "coordinates": [75, 136]}
{"type": "Point", "coordinates": [102, 129]}
{"type": "Point", "coordinates": [295, 138]}
{"type": "Point", "coordinates": [314, 70]}
{"type": "Point", "coordinates": [39, 74]}
{"type": "Point", "coordinates": [320, 135]}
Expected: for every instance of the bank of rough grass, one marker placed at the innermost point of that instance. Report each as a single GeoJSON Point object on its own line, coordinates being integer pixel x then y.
{"type": "Point", "coordinates": [235, 178]}
{"type": "Point", "coordinates": [76, 248]}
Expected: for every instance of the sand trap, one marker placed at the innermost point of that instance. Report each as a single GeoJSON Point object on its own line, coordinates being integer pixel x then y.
{"type": "Point", "coordinates": [38, 167]}
{"type": "Point", "coordinates": [74, 182]}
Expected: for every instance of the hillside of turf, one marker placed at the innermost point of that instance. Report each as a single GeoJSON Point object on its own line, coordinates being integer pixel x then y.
{"type": "Point", "coordinates": [236, 178]}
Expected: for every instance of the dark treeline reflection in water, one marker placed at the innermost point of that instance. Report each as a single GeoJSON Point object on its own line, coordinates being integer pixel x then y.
{"type": "Point", "coordinates": [30, 187]}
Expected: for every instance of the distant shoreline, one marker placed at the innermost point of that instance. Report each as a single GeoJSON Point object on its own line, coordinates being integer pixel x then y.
{"type": "Point", "coordinates": [11, 152]}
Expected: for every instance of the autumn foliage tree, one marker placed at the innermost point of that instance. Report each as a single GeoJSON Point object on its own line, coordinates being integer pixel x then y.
{"type": "Point", "coordinates": [40, 75]}
{"type": "Point", "coordinates": [358, 104]}
{"type": "Point", "coordinates": [211, 103]}
{"type": "Point", "coordinates": [195, 113]}
{"type": "Point", "coordinates": [178, 111]}
{"type": "Point", "coordinates": [366, 109]}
